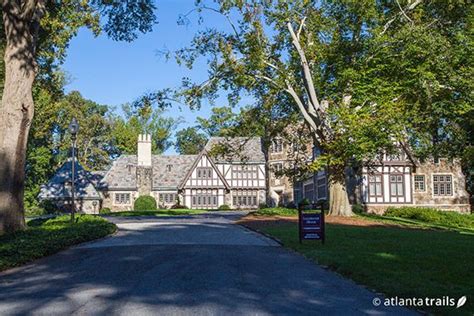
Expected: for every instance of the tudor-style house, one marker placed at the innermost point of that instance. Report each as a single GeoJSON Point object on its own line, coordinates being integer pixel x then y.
{"type": "Point", "coordinates": [396, 181]}
{"type": "Point", "coordinates": [196, 181]}
{"type": "Point", "coordinates": [237, 179]}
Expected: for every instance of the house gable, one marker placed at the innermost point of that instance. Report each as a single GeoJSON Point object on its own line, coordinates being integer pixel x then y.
{"type": "Point", "coordinates": [204, 174]}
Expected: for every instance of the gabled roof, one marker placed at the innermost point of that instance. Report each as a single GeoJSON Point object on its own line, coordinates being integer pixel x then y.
{"type": "Point", "coordinates": [240, 149]}
{"type": "Point", "coordinates": [122, 174]}
{"type": "Point", "coordinates": [196, 161]}
{"type": "Point", "coordinates": [164, 178]}
{"type": "Point", "coordinates": [59, 186]}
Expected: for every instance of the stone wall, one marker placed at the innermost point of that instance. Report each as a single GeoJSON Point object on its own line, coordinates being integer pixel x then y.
{"type": "Point", "coordinates": [460, 198]}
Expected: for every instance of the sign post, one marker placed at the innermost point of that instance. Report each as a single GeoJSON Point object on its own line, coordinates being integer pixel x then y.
{"type": "Point", "coordinates": [311, 225]}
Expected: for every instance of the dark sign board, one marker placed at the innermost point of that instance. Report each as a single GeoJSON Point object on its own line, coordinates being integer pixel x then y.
{"type": "Point", "coordinates": [311, 226]}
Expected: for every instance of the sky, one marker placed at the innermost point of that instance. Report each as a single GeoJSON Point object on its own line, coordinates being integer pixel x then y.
{"type": "Point", "coordinates": [114, 73]}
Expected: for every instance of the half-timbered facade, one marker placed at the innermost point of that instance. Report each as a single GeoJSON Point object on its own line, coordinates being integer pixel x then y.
{"type": "Point", "coordinates": [396, 181]}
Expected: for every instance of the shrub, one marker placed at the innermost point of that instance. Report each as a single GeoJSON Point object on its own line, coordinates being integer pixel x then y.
{"type": "Point", "coordinates": [433, 216]}
{"type": "Point", "coordinates": [105, 210]}
{"type": "Point", "coordinates": [272, 211]}
{"type": "Point", "coordinates": [358, 208]}
{"type": "Point", "coordinates": [178, 206]}
{"type": "Point", "coordinates": [291, 205]}
{"type": "Point", "coordinates": [262, 206]}
{"type": "Point", "coordinates": [224, 207]}
{"type": "Point", "coordinates": [145, 203]}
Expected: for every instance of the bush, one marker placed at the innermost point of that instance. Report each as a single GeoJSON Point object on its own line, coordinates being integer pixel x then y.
{"type": "Point", "coordinates": [272, 211]}
{"type": "Point", "coordinates": [358, 208]}
{"type": "Point", "coordinates": [178, 206]}
{"type": "Point", "coordinates": [224, 207]}
{"type": "Point", "coordinates": [47, 236]}
{"type": "Point", "coordinates": [291, 205]}
{"type": "Point", "coordinates": [433, 216]}
{"type": "Point", "coordinates": [304, 202]}
{"type": "Point", "coordinates": [105, 210]}
{"type": "Point", "coordinates": [145, 203]}
{"type": "Point", "coordinates": [262, 206]}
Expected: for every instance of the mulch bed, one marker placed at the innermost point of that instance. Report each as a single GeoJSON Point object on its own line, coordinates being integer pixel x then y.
{"type": "Point", "coordinates": [256, 222]}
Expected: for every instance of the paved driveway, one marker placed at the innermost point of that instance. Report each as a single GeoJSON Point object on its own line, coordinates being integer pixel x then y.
{"type": "Point", "coordinates": [198, 265]}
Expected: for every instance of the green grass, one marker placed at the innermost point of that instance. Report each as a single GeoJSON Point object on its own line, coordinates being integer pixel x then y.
{"type": "Point", "coordinates": [447, 219]}
{"type": "Point", "coordinates": [45, 237]}
{"type": "Point", "coordinates": [164, 212]}
{"type": "Point", "coordinates": [272, 211]}
{"type": "Point", "coordinates": [395, 261]}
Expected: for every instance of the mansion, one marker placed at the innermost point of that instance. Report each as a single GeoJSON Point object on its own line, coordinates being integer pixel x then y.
{"type": "Point", "coordinates": [238, 180]}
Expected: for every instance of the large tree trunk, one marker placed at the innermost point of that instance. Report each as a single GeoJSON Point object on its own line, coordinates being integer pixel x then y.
{"type": "Point", "coordinates": [339, 199]}
{"type": "Point", "coordinates": [16, 113]}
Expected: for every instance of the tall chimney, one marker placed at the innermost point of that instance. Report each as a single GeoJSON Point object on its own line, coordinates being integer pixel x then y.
{"type": "Point", "coordinates": [144, 150]}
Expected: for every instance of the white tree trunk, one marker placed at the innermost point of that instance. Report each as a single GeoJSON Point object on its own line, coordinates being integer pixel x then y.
{"type": "Point", "coordinates": [339, 199]}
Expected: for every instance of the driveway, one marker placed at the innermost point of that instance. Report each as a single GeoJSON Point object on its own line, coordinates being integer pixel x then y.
{"type": "Point", "coordinates": [195, 265]}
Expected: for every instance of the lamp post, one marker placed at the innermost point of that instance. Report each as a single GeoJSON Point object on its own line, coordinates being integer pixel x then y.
{"type": "Point", "coordinates": [73, 129]}
{"type": "Point", "coordinates": [94, 204]}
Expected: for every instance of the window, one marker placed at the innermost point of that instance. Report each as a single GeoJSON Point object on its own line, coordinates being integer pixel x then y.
{"type": "Point", "coordinates": [205, 199]}
{"type": "Point", "coordinates": [396, 185]}
{"type": "Point", "coordinates": [204, 173]}
{"type": "Point", "coordinates": [321, 188]}
{"type": "Point", "coordinates": [277, 167]}
{"type": "Point", "coordinates": [122, 198]}
{"type": "Point", "coordinates": [168, 198]}
{"type": "Point", "coordinates": [375, 185]}
{"type": "Point", "coordinates": [419, 181]}
{"type": "Point", "coordinates": [442, 185]}
{"type": "Point", "coordinates": [245, 198]}
{"type": "Point", "coordinates": [244, 172]}
{"type": "Point", "coordinates": [277, 146]}
{"type": "Point", "coordinates": [168, 168]}
{"type": "Point", "coordinates": [309, 192]}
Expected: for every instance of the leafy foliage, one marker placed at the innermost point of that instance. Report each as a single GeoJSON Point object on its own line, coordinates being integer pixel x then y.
{"type": "Point", "coordinates": [433, 216]}
{"type": "Point", "coordinates": [49, 236]}
{"type": "Point", "coordinates": [224, 207]}
{"type": "Point", "coordinates": [145, 203]}
{"type": "Point", "coordinates": [189, 141]}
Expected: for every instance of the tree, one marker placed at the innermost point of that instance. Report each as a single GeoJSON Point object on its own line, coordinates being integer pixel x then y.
{"type": "Point", "coordinates": [189, 141]}
{"type": "Point", "coordinates": [219, 123]}
{"type": "Point", "coordinates": [339, 63]}
{"type": "Point", "coordinates": [125, 130]}
{"type": "Point", "coordinates": [36, 34]}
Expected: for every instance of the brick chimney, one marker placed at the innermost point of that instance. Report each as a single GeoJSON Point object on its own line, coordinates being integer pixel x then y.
{"type": "Point", "coordinates": [144, 166]}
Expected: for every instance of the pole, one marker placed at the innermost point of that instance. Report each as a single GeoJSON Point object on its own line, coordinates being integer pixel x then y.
{"type": "Point", "coordinates": [73, 176]}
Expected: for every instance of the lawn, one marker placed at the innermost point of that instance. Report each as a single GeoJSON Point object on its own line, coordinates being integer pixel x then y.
{"type": "Point", "coordinates": [161, 212]}
{"type": "Point", "coordinates": [394, 260]}
{"type": "Point", "coordinates": [48, 236]}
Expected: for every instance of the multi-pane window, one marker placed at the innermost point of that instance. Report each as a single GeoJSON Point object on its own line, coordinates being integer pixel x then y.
{"type": "Point", "coordinates": [321, 188]}
{"type": "Point", "coordinates": [375, 185]}
{"type": "Point", "coordinates": [245, 198]}
{"type": "Point", "coordinates": [204, 173]}
{"type": "Point", "coordinates": [419, 182]}
{"type": "Point", "coordinates": [168, 168]}
{"type": "Point", "coordinates": [168, 198]}
{"type": "Point", "coordinates": [442, 185]}
{"type": "Point", "coordinates": [277, 167]}
{"type": "Point", "coordinates": [122, 198]}
{"type": "Point", "coordinates": [396, 185]}
{"type": "Point", "coordinates": [205, 200]}
{"type": "Point", "coordinates": [277, 146]}
{"type": "Point", "coordinates": [309, 191]}
{"type": "Point", "coordinates": [244, 172]}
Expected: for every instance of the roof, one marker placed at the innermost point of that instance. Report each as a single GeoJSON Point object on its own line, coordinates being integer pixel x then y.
{"type": "Point", "coordinates": [180, 165]}
{"type": "Point", "coordinates": [59, 186]}
{"type": "Point", "coordinates": [122, 173]}
{"type": "Point", "coordinates": [238, 149]}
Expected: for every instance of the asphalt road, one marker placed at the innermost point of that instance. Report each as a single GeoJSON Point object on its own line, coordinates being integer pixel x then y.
{"type": "Point", "coordinates": [198, 265]}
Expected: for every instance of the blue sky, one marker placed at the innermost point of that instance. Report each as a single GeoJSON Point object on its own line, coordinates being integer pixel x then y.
{"type": "Point", "coordinates": [114, 73]}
